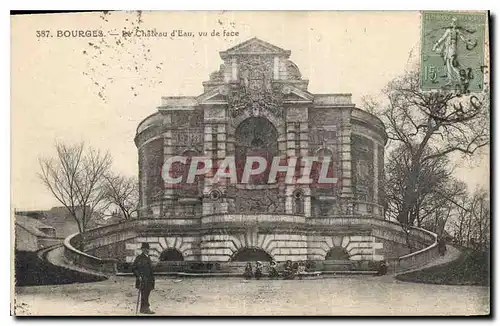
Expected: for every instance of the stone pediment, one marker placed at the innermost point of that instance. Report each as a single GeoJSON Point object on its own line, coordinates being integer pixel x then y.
{"type": "Point", "coordinates": [294, 98]}
{"type": "Point", "coordinates": [214, 96]}
{"type": "Point", "coordinates": [290, 93]}
{"type": "Point", "coordinates": [254, 46]}
{"type": "Point", "coordinates": [293, 94]}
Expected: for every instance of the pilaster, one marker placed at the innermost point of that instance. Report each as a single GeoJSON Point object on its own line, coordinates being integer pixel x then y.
{"type": "Point", "coordinates": [345, 145]}
{"type": "Point", "coordinates": [168, 151]}
{"type": "Point", "coordinates": [375, 178]}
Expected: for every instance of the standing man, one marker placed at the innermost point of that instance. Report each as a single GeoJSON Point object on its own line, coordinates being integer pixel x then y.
{"type": "Point", "coordinates": [145, 280]}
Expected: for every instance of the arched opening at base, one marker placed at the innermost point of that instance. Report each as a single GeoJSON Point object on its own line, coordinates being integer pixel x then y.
{"type": "Point", "coordinates": [171, 255]}
{"type": "Point", "coordinates": [251, 254]}
{"type": "Point", "coordinates": [337, 253]}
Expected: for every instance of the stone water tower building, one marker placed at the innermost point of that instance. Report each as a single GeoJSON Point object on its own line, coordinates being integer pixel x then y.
{"type": "Point", "coordinates": [258, 101]}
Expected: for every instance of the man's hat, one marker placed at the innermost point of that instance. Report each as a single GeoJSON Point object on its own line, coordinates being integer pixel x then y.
{"type": "Point", "coordinates": [145, 245]}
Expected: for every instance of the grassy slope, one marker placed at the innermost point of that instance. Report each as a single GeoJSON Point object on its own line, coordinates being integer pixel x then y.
{"type": "Point", "coordinates": [471, 268]}
{"type": "Point", "coordinates": [30, 270]}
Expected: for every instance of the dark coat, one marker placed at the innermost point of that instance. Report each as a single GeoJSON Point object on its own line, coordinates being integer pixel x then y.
{"type": "Point", "coordinates": [248, 272]}
{"type": "Point", "coordinates": [143, 268]}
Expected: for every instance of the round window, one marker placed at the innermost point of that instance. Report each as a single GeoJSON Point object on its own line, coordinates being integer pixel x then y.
{"type": "Point", "coordinates": [215, 195]}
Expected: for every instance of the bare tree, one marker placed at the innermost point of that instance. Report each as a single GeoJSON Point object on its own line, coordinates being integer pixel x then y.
{"type": "Point", "coordinates": [430, 125]}
{"type": "Point", "coordinates": [441, 205]}
{"type": "Point", "coordinates": [435, 185]}
{"type": "Point", "coordinates": [471, 223]}
{"type": "Point", "coordinates": [122, 194]}
{"type": "Point", "coordinates": [75, 178]}
{"type": "Point", "coordinates": [459, 219]}
{"type": "Point", "coordinates": [480, 211]}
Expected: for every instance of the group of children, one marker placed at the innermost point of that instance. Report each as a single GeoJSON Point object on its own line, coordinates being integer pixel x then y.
{"type": "Point", "coordinates": [249, 273]}
{"type": "Point", "coordinates": [291, 270]}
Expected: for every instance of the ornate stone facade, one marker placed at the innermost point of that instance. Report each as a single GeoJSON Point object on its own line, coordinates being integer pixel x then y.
{"type": "Point", "coordinates": [257, 103]}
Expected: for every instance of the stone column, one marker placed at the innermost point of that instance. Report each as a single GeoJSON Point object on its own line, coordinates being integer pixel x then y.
{"type": "Point", "coordinates": [282, 152]}
{"type": "Point", "coordinates": [345, 144]}
{"type": "Point", "coordinates": [209, 152]}
{"type": "Point", "coordinates": [143, 179]}
{"type": "Point", "coordinates": [234, 68]}
{"type": "Point", "coordinates": [168, 151]}
{"type": "Point", "coordinates": [298, 146]}
{"type": "Point", "coordinates": [215, 149]}
{"type": "Point", "coordinates": [291, 151]}
{"type": "Point", "coordinates": [304, 151]}
{"type": "Point", "coordinates": [276, 70]}
{"type": "Point", "coordinates": [220, 155]}
{"type": "Point", "coordinates": [375, 178]}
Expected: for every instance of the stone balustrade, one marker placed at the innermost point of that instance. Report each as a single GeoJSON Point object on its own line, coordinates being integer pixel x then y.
{"type": "Point", "coordinates": [82, 259]}
{"type": "Point", "coordinates": [332, 100]}
{"type": "Point", "coordinates": [368, 208]}
{"type": "Point", "coordinates": [136, 228]}
{"type": "Point", "coordinates": [252, 219]}
{"type": "Point", "coordinates": [420, 257]}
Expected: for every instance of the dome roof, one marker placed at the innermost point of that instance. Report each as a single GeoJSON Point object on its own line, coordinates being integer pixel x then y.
{"type": "Point", "coordinates": [292, 70]}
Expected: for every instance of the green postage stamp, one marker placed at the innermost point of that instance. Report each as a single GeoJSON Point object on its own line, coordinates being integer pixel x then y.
{"type": "Point", "coordinates": [452, 50]}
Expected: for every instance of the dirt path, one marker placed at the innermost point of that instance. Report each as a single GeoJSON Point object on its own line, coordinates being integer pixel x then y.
{"type": "Point", "coordinates": [231, 296]}
{"type": "Point", "coordinates": [355, 295]}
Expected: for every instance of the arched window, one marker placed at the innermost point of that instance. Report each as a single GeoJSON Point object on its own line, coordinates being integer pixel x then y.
{"type": "Point", "coordinates": [325, 156]}
{"type": "Point", "coordinates": [255, 136]}
{"type": "Point", "coordinates": [171, 255]}
{"type": "Point", "coordinates": [258, 143]}
{"type": "Point", "coordinates": [251, 254]}
{"type": "Point", "coordinates": [337, 253]}
{"type": "Point", "coordinates": [190, 189]}
{"type": "Point", "coordinates": [298, 201]}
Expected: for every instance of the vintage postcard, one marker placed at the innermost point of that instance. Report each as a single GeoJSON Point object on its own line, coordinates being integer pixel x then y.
{"type": "Point", "coordinates": [251, 163]}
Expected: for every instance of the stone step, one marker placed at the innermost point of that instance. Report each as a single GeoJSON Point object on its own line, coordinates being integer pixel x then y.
{"type": "Point", "coordinates": [311, 276]}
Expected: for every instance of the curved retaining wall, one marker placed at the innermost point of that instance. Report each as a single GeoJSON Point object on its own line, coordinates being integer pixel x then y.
{"type": "Point", "coordinates": [420, 257]}
{"type": "Point", "coordinates": [76, 244]}
{"type": "Point", "coordinates": [80, 258]}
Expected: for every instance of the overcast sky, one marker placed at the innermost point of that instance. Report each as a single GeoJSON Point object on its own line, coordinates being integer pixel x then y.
{"type": "Point", "coordinates": [97, 90]}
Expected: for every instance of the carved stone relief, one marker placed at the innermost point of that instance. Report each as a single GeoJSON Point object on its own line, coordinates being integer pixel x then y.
{"type": "Point", "coordinates": [259, 201]}
{"type": "Point", "coordinates": [255, 91]}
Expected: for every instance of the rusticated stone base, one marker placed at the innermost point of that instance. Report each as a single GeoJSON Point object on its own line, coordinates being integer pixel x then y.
{"type": "Point", "coordinates": [281, 247]}
{"type": "Point", "coordinates": [235, 238]}
{"type": "Point", "coordinates": [186, 245]}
